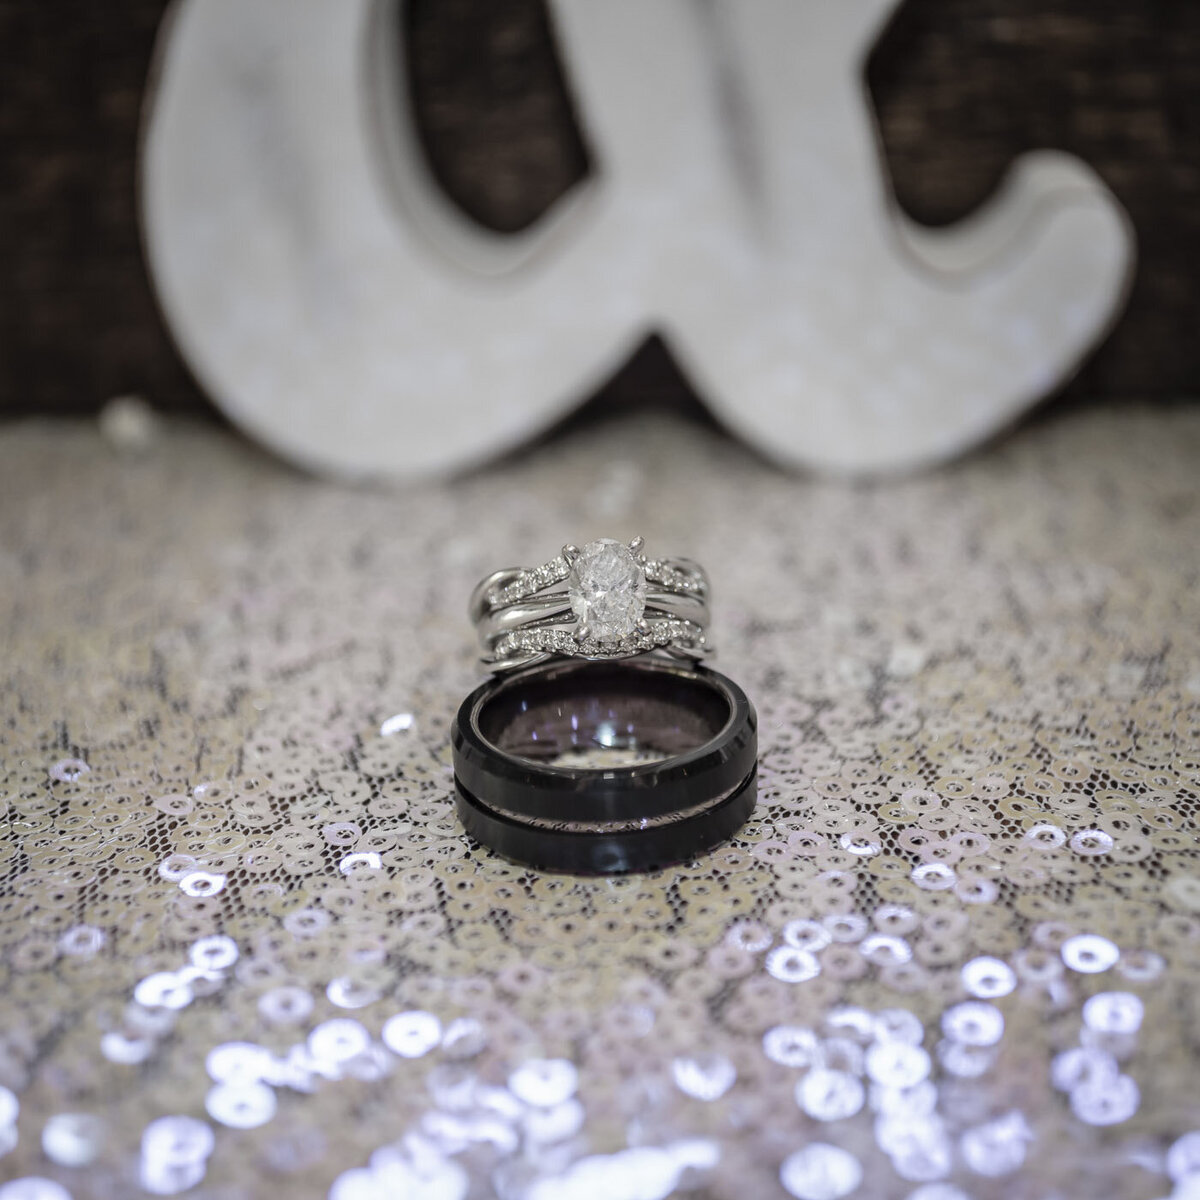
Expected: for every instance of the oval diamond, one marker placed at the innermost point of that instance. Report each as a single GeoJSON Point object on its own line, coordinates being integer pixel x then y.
{"type": "Point", "coordinates": [607, 589]}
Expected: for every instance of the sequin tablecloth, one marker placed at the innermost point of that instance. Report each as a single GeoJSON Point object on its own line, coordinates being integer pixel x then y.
{"type": "Point", "coordinates": [248, 951]}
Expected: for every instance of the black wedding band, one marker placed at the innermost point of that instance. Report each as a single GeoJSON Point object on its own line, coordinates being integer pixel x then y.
{"type": "Point", "coordinates": [513, 735]}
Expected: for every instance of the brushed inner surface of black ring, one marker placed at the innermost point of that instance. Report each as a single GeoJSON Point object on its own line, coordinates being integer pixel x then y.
{"type": "Point", "coordinates": [512, 735]}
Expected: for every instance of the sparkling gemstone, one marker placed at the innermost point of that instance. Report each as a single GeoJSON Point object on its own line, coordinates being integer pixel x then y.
{"type": "Point", "coordinates": [607, 588]}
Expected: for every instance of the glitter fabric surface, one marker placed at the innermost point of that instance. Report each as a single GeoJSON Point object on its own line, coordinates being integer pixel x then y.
{"type": "Point", "coordinates": [248, 952]}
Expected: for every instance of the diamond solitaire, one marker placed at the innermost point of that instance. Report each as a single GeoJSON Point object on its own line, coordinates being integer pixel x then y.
{"type": "Point", "coordinates": [608, 600]}
{"type": "Point", "coordinates": [607, 588]}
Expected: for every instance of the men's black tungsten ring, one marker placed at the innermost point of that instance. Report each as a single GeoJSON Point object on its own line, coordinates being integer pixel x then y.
{"type": "Point", "coordinates": [685, 737]}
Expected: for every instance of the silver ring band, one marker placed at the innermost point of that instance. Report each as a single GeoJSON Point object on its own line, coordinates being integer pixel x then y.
{"type": "Point", "coordinates": [608, 600]}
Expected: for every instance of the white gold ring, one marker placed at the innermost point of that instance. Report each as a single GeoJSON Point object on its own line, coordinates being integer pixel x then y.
{"type": "Point", "coordinates": [606, 600]}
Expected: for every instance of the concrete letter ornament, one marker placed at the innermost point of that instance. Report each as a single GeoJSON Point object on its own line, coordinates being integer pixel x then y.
{"type": "Point", "coordinates": [339, 308]}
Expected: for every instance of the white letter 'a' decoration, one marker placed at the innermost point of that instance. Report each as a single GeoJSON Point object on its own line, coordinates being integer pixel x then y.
{"type": "Point", "coordinates": [336, 306]}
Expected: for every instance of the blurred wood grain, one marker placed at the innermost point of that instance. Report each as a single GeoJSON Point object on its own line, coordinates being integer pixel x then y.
{"type": "Point", "coordinates": [959, 87]}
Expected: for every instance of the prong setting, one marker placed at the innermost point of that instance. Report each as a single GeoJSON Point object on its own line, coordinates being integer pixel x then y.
{"type": "Point", "coordinates": [570, 553]}
{"type": "Point", "coordinates": [637, 545]}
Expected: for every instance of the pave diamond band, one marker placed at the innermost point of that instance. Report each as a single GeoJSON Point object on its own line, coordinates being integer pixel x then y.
{"type": "Point", "coordinates": [606, 600]}
{"type": "Point", "coordinates": [659, 635]}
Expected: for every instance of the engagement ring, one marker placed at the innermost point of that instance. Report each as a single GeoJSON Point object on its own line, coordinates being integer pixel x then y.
{"type": "Point", "coordinates": [607, 600]}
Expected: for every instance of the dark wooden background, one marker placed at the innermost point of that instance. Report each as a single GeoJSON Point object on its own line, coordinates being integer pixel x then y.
{"type": "Point", "coordinates": [960, 86]}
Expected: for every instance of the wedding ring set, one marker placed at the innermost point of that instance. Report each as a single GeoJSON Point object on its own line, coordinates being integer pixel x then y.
{"type": "Point", "coordinates": [606, 600]}
{"type": "Point", "coordinates": [602, 743]}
